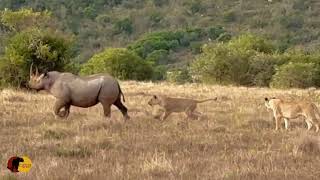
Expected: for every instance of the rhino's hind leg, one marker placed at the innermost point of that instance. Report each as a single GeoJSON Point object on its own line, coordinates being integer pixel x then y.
{"type": "Point", "coordinates": [122, 108]}
{"type": "Point", "coordinates": [106, 110]}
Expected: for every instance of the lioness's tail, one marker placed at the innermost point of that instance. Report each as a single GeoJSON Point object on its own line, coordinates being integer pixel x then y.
{"type": "Point", "coordinates": [316, 110]}
{"type": "Point", "coordinates": [214, 99]}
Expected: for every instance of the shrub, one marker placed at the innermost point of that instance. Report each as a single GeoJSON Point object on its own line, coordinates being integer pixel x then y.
{"type": "Point", "coordinates": [230, 16]}
{"type": "Point", "coordinates": [160, 3]}
{"type": "Point", "coordinates": [118, 62]}
{"type": "Point", "coordinates": [159, 72]}
{"type": "Point", "coordinates": [224, 37]}
{"type": "Point", "coordinates": [293, 22]}
{"type": "Point", "coordinates": [155, 19]}
{"type": "Point", "coordinates": [262, 68]}
{"type": "Point", "coordinates": [166, 40]}
{"type": "Point", "coordinates": [90, 12]}
{"type": "Point", "coordinates": [156, 41]}
{"type": "Point", "coordinates": [196, 7]}
{"type": "Point", "coordinates": [295, 75]}
{"type": "Point", "coordinates": [196, 47]}
{"type": "Point", "coordinates": [179, 76]}
{"type": "Point", "coordinates": [236, 62]}
{"type": "Point", "coordinates": [221, 64]}
{"type": "Point", "coordinates": [252, 43]}
{"type": "Point", "coordinates": [123, 25]}
{"type": "Point", "coordinates": [215, 32]}
{"type": "Point", "coordinates": [158, 57]}
{"type": "Point", "coordinates": [47, 50]}
{"type": "Point", "coordinates": [25, 18]}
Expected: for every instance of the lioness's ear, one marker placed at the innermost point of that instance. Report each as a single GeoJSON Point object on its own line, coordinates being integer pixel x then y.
{"type": "Point", "coordinates": [266, 99]}
{"type": "Point", "coordinates": [154, 96]}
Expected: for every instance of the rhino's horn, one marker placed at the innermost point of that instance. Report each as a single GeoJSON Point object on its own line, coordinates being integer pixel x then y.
{"type": "Point", "coordinates": [31, 73]}
{"type": "Point", "coordinates": [37, 72]}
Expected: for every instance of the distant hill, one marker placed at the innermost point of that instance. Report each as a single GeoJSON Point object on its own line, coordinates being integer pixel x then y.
{"type": "Point", "coordinates": [98, 24]}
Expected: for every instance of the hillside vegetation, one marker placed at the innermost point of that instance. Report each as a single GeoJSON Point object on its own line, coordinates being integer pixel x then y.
{"type": "Point", "coordinates": [233, 139]}
{"type": "Point", "coordinates": [248, 43]}
{"type": "Point", "coordinates": [98, 24]}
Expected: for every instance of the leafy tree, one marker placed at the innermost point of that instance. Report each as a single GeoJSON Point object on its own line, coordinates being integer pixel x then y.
{"type": "Point", "coordinates": [25, 18]}
{"type": "Point", "coordinates": [250, 42]}
{"type": "Point", "coordinates": [160, 3]}
{"type": "Point", "coordinates": [158, 57]}
{"type": "Point", "coordinates": [123, 25]}
{"type": "Point", "coordinates": [235, 62]}
{"type": "Point", "coordinates": [45, 49]}
{"type": "Point", "coordinates": [166, 40]}
{"type": "Point", "coordinates": [223, 65]}
{"type": "Point", "coordinates": [179, 76]}
{"type": "Point", "coordinates": [230, 16]}
{"type": "Point", "coordinates": [118, 62]}
{"type": "Point", "coordinates": [262, 68]}
{"type": "Point", "coordinates": [215, 32]}
{"type": "Point", "coordinates": [295, 75]}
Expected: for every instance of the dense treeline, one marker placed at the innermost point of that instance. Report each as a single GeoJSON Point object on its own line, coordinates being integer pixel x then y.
{"type": "Point", "coordinates": [115, 23]}
{"type": "Point", "coordinates": [180, 41]}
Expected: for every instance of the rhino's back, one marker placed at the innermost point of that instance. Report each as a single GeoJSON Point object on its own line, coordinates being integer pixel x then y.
{"type": "Point", "coordinates": [88, 90]}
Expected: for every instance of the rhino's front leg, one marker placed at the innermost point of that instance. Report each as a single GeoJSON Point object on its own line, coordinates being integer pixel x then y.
{"type": "Point", "coordinates": [57, 107]}
{"type": "Point", "coordinates": [66, 110]}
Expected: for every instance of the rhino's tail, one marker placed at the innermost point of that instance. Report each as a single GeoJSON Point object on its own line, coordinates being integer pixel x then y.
{"type": "Point", "coordinates": [121, 93]}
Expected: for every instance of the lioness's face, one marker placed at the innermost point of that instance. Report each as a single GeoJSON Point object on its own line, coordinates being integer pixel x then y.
{"type": "Point", "coordinates": [266, 103]}
{"type": "Point", "coordinates": [154, 101]}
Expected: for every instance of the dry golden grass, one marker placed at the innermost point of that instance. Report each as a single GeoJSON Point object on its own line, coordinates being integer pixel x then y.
{"type": "Point", "coordinates": [234, 139]}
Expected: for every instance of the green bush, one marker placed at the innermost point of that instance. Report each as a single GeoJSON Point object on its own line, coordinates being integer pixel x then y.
{"type": "Point", "coordinates": [25, 18]}
{"type": "Point", "coordinates": [123, 25]}
{"type": "Point", "coordinates": [249, 42]}
{"type": "Point", "coordinates": [196, 47]}
{"type": "Point", "coordinates": [45, 49]}
{"type": "Point", "coordinates": [236, 62]}
{"type": "Point", "coordinates": [292, 22]}
{"type": "Point", "coordinates": [166, 40]}
{"type": "Point", "coordinates": [195, 6]}
{"type": "Point", "coordinates": [160, 3]}
{"type": "Point", "coordinates": [118, 62]}
{"type": "Point", "coordinates": [224, 37]}
{"type": "Point", "coordinates": [262, 68]}
{"type": "Point", "coordinates": [155, 18]}
{"type": "Point", "coordinates": [156, 41]}
{"type": "Point", "coordinates": [223, 65]}
{"type": "Point", "coordinates": [215, 32]}
{"type": "Point", "coordinates": [230, 16]}
{"type": "Point", "coordinates": [90, 12]}
{"type": "Point", "coordinates": [158, 57]}
{"type": "Point", "coordinates": [179, 76]}
{"type": "Point", "coordinates": [295, 75]}
{"type": "Point", "coordinates": [159, 72]}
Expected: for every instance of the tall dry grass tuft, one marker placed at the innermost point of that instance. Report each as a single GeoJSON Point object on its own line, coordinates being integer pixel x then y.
{"type": "Point", "coordinates": [308, 145]}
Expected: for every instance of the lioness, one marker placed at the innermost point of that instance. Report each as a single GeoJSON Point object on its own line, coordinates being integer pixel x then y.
{"type": "Point", "coordinates": [171, 105]}
{"type": "Point", "coordinates": [292, 110]}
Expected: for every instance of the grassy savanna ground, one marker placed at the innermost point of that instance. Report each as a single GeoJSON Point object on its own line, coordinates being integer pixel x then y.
{"type": "Point", "coordinates": [234, 139]}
